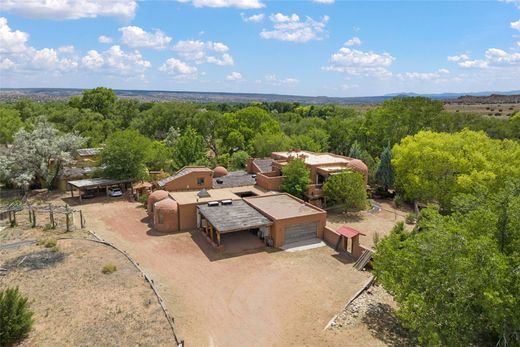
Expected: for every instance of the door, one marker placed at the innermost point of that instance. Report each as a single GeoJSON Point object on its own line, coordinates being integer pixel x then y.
{"type": "Point", "coordinates": [301, 232]}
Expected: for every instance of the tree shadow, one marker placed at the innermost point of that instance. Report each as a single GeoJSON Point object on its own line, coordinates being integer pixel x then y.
{"type": "Point", "coordinates": [35, 260]}
{"type": "Point", "coordinates": [385, 326]}
{"type": "Point", "coordinates": [335, 217]}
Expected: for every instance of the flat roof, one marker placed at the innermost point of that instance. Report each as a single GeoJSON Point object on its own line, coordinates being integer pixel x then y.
{"type": "Point", "coordinates": [191, 197]}
{"type": "Point", "coordinates": [312, 158]}
{"type": "Point", "coordinates": [95, 182]}
{"type": "Point", "coordinates": [234, 179]}
{"type": "Point", "coordinates": [84, 152]}
{"type": "Point", "coordinates": [332, 168]}
{"type": "Point", "coordinates": [234, 217]}
{"type": "Point", "coordinates": [282, 206]}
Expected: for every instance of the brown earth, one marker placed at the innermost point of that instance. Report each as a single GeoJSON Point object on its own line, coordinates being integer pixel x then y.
{"type": "Point", "coordinates": [74, 303]}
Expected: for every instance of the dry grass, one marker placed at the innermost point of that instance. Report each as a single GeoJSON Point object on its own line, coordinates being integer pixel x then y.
{"type": "Point", "coordinates": [74, 304]}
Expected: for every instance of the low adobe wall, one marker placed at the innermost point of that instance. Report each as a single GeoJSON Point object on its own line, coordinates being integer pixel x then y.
{"type": "Point", "coordinates": [269, 181]}
{"type": "Point", "coordinates": [330, 236]}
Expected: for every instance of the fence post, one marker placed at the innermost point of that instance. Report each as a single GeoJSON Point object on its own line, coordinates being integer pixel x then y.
{"type": "Point", "coordinates": [82, 222]}
{"type": "Point", "coordinates": [34, 218]}
{"type": "Point", "coordinates": [51, 215]}
{"type": "Point", "coordinates": [67, 218]}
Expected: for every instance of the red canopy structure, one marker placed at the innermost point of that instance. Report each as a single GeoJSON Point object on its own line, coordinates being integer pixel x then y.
{"type": "Point", "coordinates": [348, 232]}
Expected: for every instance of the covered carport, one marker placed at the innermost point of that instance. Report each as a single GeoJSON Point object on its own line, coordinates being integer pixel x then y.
{"type": "Point", "coordinates": [228, 216]}
{"type": "Point", "coordinates": [97, 183]}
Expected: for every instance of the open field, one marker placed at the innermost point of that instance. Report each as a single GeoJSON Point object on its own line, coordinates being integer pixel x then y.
{"type": "Point", "coordinates": [73, 301]}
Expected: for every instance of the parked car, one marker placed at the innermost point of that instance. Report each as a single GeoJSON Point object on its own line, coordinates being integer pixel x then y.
{"type": "Point", "coordinates": [115, 191]}
{"type": "Point", "coordinates": [88, 194]}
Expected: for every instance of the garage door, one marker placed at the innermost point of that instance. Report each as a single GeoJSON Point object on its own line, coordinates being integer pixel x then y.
{"type": "Point", "coordinates": [300, 232]}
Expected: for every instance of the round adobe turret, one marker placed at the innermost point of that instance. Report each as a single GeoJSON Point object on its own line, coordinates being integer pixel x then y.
{"type": "Point", "coordinates": [156, 196]}
{"type": "Point", "coordinates": [358, 166]}
{"type": "Point", "coordinates": [219, 171]}
{"type": "Point", "coordinates": [165, 215]}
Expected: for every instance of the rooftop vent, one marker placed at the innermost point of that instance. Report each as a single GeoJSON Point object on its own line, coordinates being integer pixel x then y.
{"type": "Point", "coordinates": [219, 181]}
{"type": "Point", "coordinates": [213, 203]}
{"type": "Point", "coordinates": [226, 202]}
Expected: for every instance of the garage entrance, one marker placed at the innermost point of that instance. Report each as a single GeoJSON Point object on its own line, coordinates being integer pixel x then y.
{"type": "Point", "coordinates": [300, 232]}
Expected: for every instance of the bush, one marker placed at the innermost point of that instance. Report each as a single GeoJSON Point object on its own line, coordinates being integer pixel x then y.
{"type": "Point", "coordinates": [143, 199]}
{"type": "Point", "coordinates": [108, 269]}
{"type": "Point", "coordinates": [15, 317]}
{"type": "Point", "coordinates": [411, 218]}
{"type": "Point", "coordinates": [48, 243]}
{"type": "Point", "coordinates": [398, 201]}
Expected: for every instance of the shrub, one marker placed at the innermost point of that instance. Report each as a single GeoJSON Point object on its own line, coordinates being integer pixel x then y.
{"type": "Point", "coordinates": [143, 199]}
{"type": "Point", "coordinates": [411, 218]}
{"type": "Point", "coordinates": [15, 317]}
{"type": "Point", "coordinates": [55, 249]}
{"type": "Point", "coordinates": [48, 243]}
{"type": "Point", "coordinates": [398, 201]}
{"type": "Point", "coordinates": [108, 269]}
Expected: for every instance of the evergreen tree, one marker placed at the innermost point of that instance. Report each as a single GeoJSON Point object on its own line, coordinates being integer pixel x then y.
{"type": "Point", "coordinates": [385, 172]}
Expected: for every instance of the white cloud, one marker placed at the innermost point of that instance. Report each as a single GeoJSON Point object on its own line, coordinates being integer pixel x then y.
{"type": "Point", "coordinates": [516, 25]}
{"type": "Point", "coordinates": [11, 41]}
{"type": "Point", "coordinates": [136, 37]}
{"type": "Point", "coordinates": [234, 76]}
{"type": "Point", "coordinates": [457, 58]}
{"type": "Point", "coordinates": [17, 53]}
{"type": "Point", "coordinates": [515, 2]}
{"type": "Point", "coordinates": [105, 39]}
{"type": "Point", "coordinates": [70, 9]}
{"type": "Point", "coordinates": [424, 76]}
{"type": "Point", "coordinates": [291, 28]}
{"type": "Point", "coordinates": [480, 64]}
{"type": "Point", "coordinates": [66, 49]}
{"type": "Point", "coordinates": [355, 41]}
{"type": "Point", "coordinates": [6, 64]}
{"type": "Point", "coordinates": [256, 18]}
{"type": "Point", "coordinates": [116, 61]}
{"type": "Point", "coordinates": [274, 80]}
{"type": "Point", "coordinates": [356, 62]}
{"type": "Point", "coordinates": [204, 52]}
{"type": "Point", "coordinates": [493, 57]}
{"type": "Point", "coordinates": [244, 4]}
{"type": "Point", "coordinates": [323, 1]}
{"type": "Point", "coordinates": [178, 69]}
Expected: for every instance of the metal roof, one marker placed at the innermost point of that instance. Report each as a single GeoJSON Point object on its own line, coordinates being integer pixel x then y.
{"type": "Point", "coordinates": [348, 231]}
{"type": "Point", "coordinates": [234, 179]}
{"type": "Point", "coordinates": [96, 182]}
{"type": "Point", "coordinates": [182, 172]}
{"type": "Point", "coordinates": [234, 217]}
{"type": "Point", "coordinates": [85, 152]}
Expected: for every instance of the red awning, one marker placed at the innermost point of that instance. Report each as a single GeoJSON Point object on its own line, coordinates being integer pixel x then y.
{"type": "Point", "coordinates": [348, 232]}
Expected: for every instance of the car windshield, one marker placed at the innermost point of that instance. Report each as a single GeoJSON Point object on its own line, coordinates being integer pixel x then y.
{"type": "Point", "coordinates": [116, 189]}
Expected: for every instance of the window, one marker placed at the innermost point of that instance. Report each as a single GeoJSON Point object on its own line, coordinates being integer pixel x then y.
{"type": "Point", "coordinates": [200, 181]}
{"type": "Point", "coordinates": [161, 218]}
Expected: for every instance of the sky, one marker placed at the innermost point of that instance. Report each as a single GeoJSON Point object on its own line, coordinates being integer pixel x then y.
{"type": "Point", "coordinates": [314, 47]}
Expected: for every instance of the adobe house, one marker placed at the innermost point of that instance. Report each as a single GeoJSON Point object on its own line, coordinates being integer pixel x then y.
{"type": "Point", "coordinates": [188, 178]}
{"type": "Point", "coordinates": [320, 165]}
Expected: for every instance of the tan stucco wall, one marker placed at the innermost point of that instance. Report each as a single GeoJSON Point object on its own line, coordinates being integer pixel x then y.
{"type": "Point", "coordinates": [269, 183]}
{"type": "Point", "coordinates": [189, 182]}
{"type": "Point", "coordinates": [187, 216]}
{"type": "Point", "coordinates": [170, 222]}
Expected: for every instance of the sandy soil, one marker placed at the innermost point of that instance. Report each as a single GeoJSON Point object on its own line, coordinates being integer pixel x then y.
{"type": "Point", "coordinates": [74, 303]}
{"type": "Point", "coordinates": [252, 298]}
{"type": "Point", "coordinates": [369, 223]}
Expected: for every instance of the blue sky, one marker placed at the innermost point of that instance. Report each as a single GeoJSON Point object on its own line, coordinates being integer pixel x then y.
{"type": "Point", "coordinates": [322, 47]}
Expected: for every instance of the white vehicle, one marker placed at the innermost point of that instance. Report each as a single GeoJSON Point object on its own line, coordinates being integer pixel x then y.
{"type": "Point", "coordinates": [115, 191]}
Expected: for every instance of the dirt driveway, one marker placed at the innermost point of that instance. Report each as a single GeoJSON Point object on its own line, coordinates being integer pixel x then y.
{"type": "Point", "coordinates": [254, 298]}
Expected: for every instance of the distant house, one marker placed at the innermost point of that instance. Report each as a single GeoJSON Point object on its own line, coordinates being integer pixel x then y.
{"type": "Point", "coordinates": [321, 165]}
{"type": "Point", "coordinates": [87, 156]}
{"type": "Point", "coordinates": [188, 178]}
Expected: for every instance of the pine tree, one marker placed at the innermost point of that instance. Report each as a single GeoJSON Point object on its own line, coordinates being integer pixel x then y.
{"type": "Point", "coordinates": [385, 173]}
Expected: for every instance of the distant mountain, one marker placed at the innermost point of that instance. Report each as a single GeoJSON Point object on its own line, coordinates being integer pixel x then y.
{"type": "Point", "coordinates": [45, 94]}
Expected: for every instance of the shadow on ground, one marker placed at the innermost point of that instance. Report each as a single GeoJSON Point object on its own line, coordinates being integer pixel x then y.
{"type": "Point", "coordinates": [35, 260]}
{"type": "Point", "coordinates": [385, 326]}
